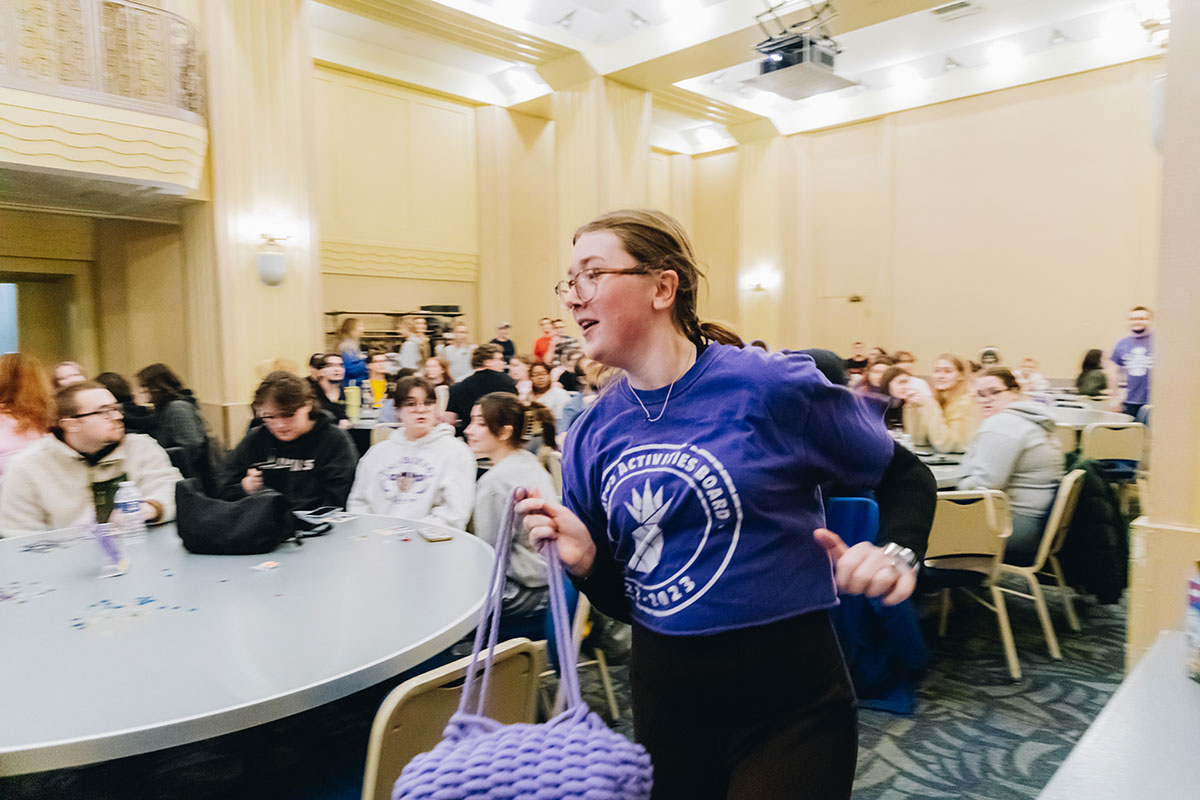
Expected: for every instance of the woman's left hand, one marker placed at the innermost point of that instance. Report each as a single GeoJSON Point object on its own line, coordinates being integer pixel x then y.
{"type": "Point", "coordinates": [865, 569]}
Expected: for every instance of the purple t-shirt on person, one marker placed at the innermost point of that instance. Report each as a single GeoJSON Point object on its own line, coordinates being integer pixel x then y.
{"type": "Point", "coordinates": [1135, 355]}
{"type": "Point", "coordinates": [711, 509]}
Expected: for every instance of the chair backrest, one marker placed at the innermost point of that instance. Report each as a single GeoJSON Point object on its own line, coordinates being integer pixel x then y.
{"type": "Point", "coordinates": [855, 519]}
{"type": "Point", "coordinates": [381, 432]}
{"type": "Point", "coordinates": [412, 717]}
{"type": "Point", "coordinates": [1118, 440]}
{"type": "Point", "coordinates": [1059, 520]}
{"type": "Point", "coordinates": [970, 528]}
{"type": "Point", "coordinates": [1068, 437]}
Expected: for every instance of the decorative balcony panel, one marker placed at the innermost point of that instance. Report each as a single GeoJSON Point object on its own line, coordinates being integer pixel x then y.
{"type": "Point", "coordinates": [112, 52]}
{"type": "Point", "coordinates": [102, 88]}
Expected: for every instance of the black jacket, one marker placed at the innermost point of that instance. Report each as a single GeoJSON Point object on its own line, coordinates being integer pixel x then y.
{"type": "Point", "coordinates": [322, 464]}
{"type": "Point", "coordinates": [325, 404]}
{"type": "Point", "coordinates": [466, 393]}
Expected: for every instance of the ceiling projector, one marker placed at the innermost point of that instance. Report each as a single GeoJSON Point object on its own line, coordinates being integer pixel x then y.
{"type": "Point", "coordinates": [797, 66]}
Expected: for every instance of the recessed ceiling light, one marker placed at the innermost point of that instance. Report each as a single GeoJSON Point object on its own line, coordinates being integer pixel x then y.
{"type": "Point", "coordinates": [1058, 37]}
{"type": "Point", "coordinates": [566, 20]}
{"type": "Point", "coordinates": [635, 18]}
{"type": "Point", "coordinates": [950, 64]}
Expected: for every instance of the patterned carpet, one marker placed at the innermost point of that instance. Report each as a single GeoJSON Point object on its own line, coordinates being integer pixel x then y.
{"type": "Point", "coordinates": [975, 734]}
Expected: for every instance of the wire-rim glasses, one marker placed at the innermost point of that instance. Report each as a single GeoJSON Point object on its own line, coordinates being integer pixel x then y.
{"type": "Point", "coordinates": [584, 283]}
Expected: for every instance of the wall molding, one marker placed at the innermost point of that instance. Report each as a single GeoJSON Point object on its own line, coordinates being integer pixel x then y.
{"type": "Point", "coordinates": [373, 259]}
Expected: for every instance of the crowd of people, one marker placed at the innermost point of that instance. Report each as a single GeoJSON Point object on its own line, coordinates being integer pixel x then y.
{"type": "Point", "coordinates": [740, 455]}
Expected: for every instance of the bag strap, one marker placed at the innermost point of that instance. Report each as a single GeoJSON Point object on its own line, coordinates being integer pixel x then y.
{"type": "Point", "coordinates": [489, 620]}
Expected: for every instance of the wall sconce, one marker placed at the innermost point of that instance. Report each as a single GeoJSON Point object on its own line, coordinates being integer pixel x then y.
{"type": "Point", "coordinates": [271, 260]}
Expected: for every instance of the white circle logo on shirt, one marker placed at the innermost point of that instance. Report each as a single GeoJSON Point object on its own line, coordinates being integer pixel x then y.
{"type": "Point", "coordinates": [674, 518]}
{"type": "Point", "coordinates": [1138, 361]}
{"type": "Point", "coordinates": [405, 478]}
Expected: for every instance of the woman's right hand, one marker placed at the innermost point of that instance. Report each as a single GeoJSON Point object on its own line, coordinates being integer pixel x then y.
{"type": "Point", "coordinates": [547, 519]}
{"type": "Point", "coordinates": [253, 481]}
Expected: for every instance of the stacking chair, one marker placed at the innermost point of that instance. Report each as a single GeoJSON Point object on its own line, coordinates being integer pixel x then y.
{"type": "Point", "coordinates": [1053, 536]}
{"type": "Point", "coordinates": [1069, 437]}
{"type": "Point", "coordinates": [970, 530]}
{"type": "Point", "coordinates": [556, 471]}
{"type": "Point", "coordinates": [412, 717]}
{"type": "Point", "coordinates": [1119, 446]}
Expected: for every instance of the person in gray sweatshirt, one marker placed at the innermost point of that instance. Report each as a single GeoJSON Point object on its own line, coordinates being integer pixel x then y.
{"type": "Point", "coordinates": [500, 424]}
{"type": "Point", "coordinates": [1015, 450]}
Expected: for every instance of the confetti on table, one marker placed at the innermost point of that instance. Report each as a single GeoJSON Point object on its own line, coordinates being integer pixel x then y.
{"type": "Point", "coordinates": [266, 566]}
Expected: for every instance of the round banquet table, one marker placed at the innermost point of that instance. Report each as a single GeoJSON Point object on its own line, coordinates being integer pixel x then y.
{"type": "Point", "coordinates": [185, 647]}
{"type": "Point", "coordinates": [947, 475]}
{"type": "Point", "coordinates": [1080, 418]}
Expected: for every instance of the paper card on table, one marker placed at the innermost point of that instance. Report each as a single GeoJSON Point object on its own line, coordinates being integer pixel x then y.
{"type": "Point", "coordinates": [395, 530]}
{"type": "Point", "coordinates": [340, 516]}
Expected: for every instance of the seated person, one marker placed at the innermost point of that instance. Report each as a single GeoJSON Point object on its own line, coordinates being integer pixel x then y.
{"type": "Point", "coordinates": [947, 420]}
{"type": "Point", "coordinates": [377, 376]}
{"type": "Point", "coordinates": [1092, 381]}
{"type": "Point", "coordinates": [1030, 379]}
{"type": "Point", "coordinates": [488, 362]}
{"type": "Point", "coordinates": [546, 392]}
{"type": "Point", "coordinates": [422, 471]}
{"type": "Point", "coordinates": [498, 429]}
{"type": "Point", "coordinates": [1017, 451]}
{"type": "Point", "coordinates": [137, 418]}
{"type": "Point", "coordinates": [325, 376]}
{"type": "Point", "coordinates": [301, 450]}
{"type": "Point", "coordinates": [58, 481]}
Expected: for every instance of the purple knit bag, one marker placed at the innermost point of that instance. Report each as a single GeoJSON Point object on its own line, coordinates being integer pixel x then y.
{"type": "Point", "coordinates": [574, 755]}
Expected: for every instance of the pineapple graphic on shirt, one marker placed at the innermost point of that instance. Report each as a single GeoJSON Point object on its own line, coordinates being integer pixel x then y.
{"type": "Point", "coordinates": [647, 509]}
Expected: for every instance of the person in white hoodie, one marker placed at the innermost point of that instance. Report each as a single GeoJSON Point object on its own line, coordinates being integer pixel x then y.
{"type": "Point", "coordinates": [420, 472]}
{"type": "Point", "coordinates": [500, 424]}
{"type": "Point", "coordinates": [1015, 450]}
{"type": "Point", "coordinates": [64, 479]}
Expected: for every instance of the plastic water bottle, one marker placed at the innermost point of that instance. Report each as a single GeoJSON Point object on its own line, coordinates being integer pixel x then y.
{"type": "Point", "coordinates": [114, 562]}
{"type": "Point", "coordinates": [128, 504]}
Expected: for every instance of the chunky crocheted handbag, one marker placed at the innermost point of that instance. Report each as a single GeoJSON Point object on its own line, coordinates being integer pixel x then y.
{"type": "Point", "coordinates": [574, 755]}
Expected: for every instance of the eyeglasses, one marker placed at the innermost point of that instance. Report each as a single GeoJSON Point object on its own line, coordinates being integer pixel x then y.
{"type": "Point", "coordinates": [280, 417]}
{"type": "Point", "coordinates": [584, 283]}
{"type": "Point", "coordinates": [415, 404]}
{"type": "Point", "coordinates": [108, 411]}
{"type": "Point", "coordinates": [988, 394]}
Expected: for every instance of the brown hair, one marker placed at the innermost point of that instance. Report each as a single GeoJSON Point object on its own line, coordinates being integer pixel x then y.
{"type": "Point", "coordinates": [657, 241]}
{"type": "Point", "coordinates": [25, 392]}
{"type": "Point", "coordinates": [889, 376]}
{"type": "Point", "coordinates": [405, 385]}
{"type": "Point", "coordinates": [285, 390]}
{"type": "Point", "coordinates": [502, 409]}
{"type": "Point", "coordinates": [946, 398]}
{"type": "Point", "coordinates": [1005, 375]}
{"type": "Point", "coordinates": [485, 353]}
{"type": "Point", "coordinates": [65, 405]}
{"type": "Point", "coordinates": [446, 379]}
{"type": "Point", "coordinates": [346, 331]}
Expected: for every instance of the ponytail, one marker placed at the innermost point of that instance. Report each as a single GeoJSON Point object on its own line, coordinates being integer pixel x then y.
{"type": "Point", "coordinates": [502, 410]}
{"type": "Point", "coordinates": [720, 333]}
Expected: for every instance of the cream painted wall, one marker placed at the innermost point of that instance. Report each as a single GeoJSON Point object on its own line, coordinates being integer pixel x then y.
{"type": "Point", "coordinates": [140, 296]}
{"type": "Point", "coordinates": [398, 196]}
{"type": "Point", "coordinates": [1026, 219]}
{"type": "Point", "coordinates": [714, 230]}
{"type": "Point", "coordinates": [519, 229]}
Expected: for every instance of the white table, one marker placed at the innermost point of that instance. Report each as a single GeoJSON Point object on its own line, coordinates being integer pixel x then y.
{"type": "Point", "coordinates": [1146, 741]}
{"type": "Point", "coordinates": [185, 647]}
{"type": "Point", "coordinates": [948, 475]}
{"type": "Point", "coordinates": [1080, 418]}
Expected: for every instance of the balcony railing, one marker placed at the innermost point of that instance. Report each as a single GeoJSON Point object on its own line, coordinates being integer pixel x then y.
{"type": "Point", "coordinates": [112, 52]}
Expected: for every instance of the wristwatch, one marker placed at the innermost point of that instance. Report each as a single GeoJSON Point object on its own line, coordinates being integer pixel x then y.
{"type": "Point", "coordinates": [900, 556]}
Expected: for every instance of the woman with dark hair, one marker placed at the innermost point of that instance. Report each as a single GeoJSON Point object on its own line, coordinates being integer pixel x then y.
{"type": "Point", "coordinates": [1092, 380]}
{"type": "Point", "coordinates": [544, 391]}
{"type": "Point", "coordinates": [692, 506]}
{"type": "Point", "coordinates": [179, 420]}
{"type": "Point", "coordinates": [894, 386]}
{"type": "Point", "coordinates": [26, 409]}
{"type": "Point", "coordinates": [500, 425]}
{"type": "Point", "coordinates": [138, 418]}
{"type": "Point", "coordinates": [871, 383]}
{"type": "Point", "coordinates": [297, 450]}
{"type": "Point", "coordinates": [1017, 451]}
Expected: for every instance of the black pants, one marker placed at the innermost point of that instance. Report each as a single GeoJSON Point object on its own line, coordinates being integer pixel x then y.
{"type": "Point", "coordinates": [763, 713]}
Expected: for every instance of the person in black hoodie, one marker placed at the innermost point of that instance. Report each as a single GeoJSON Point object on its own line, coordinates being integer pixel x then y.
{"type": "Point", "coordinates": [298, 450]}
{"type": "Point", "coordinates": [488, 362]}
{"type": "Point", "coordinates": [138, 419]}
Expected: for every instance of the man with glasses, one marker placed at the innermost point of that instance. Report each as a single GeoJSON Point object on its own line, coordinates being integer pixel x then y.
{"type": "Point", "coordinates": [488, 363]}
{"type": "Point", "coordinates": [73, 475]}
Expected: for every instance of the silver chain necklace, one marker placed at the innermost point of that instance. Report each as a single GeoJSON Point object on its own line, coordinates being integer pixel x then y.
{"type": "Point", "coordinates": [666, 400]}
{"type": "Point", "coordinates": [643, 405]}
